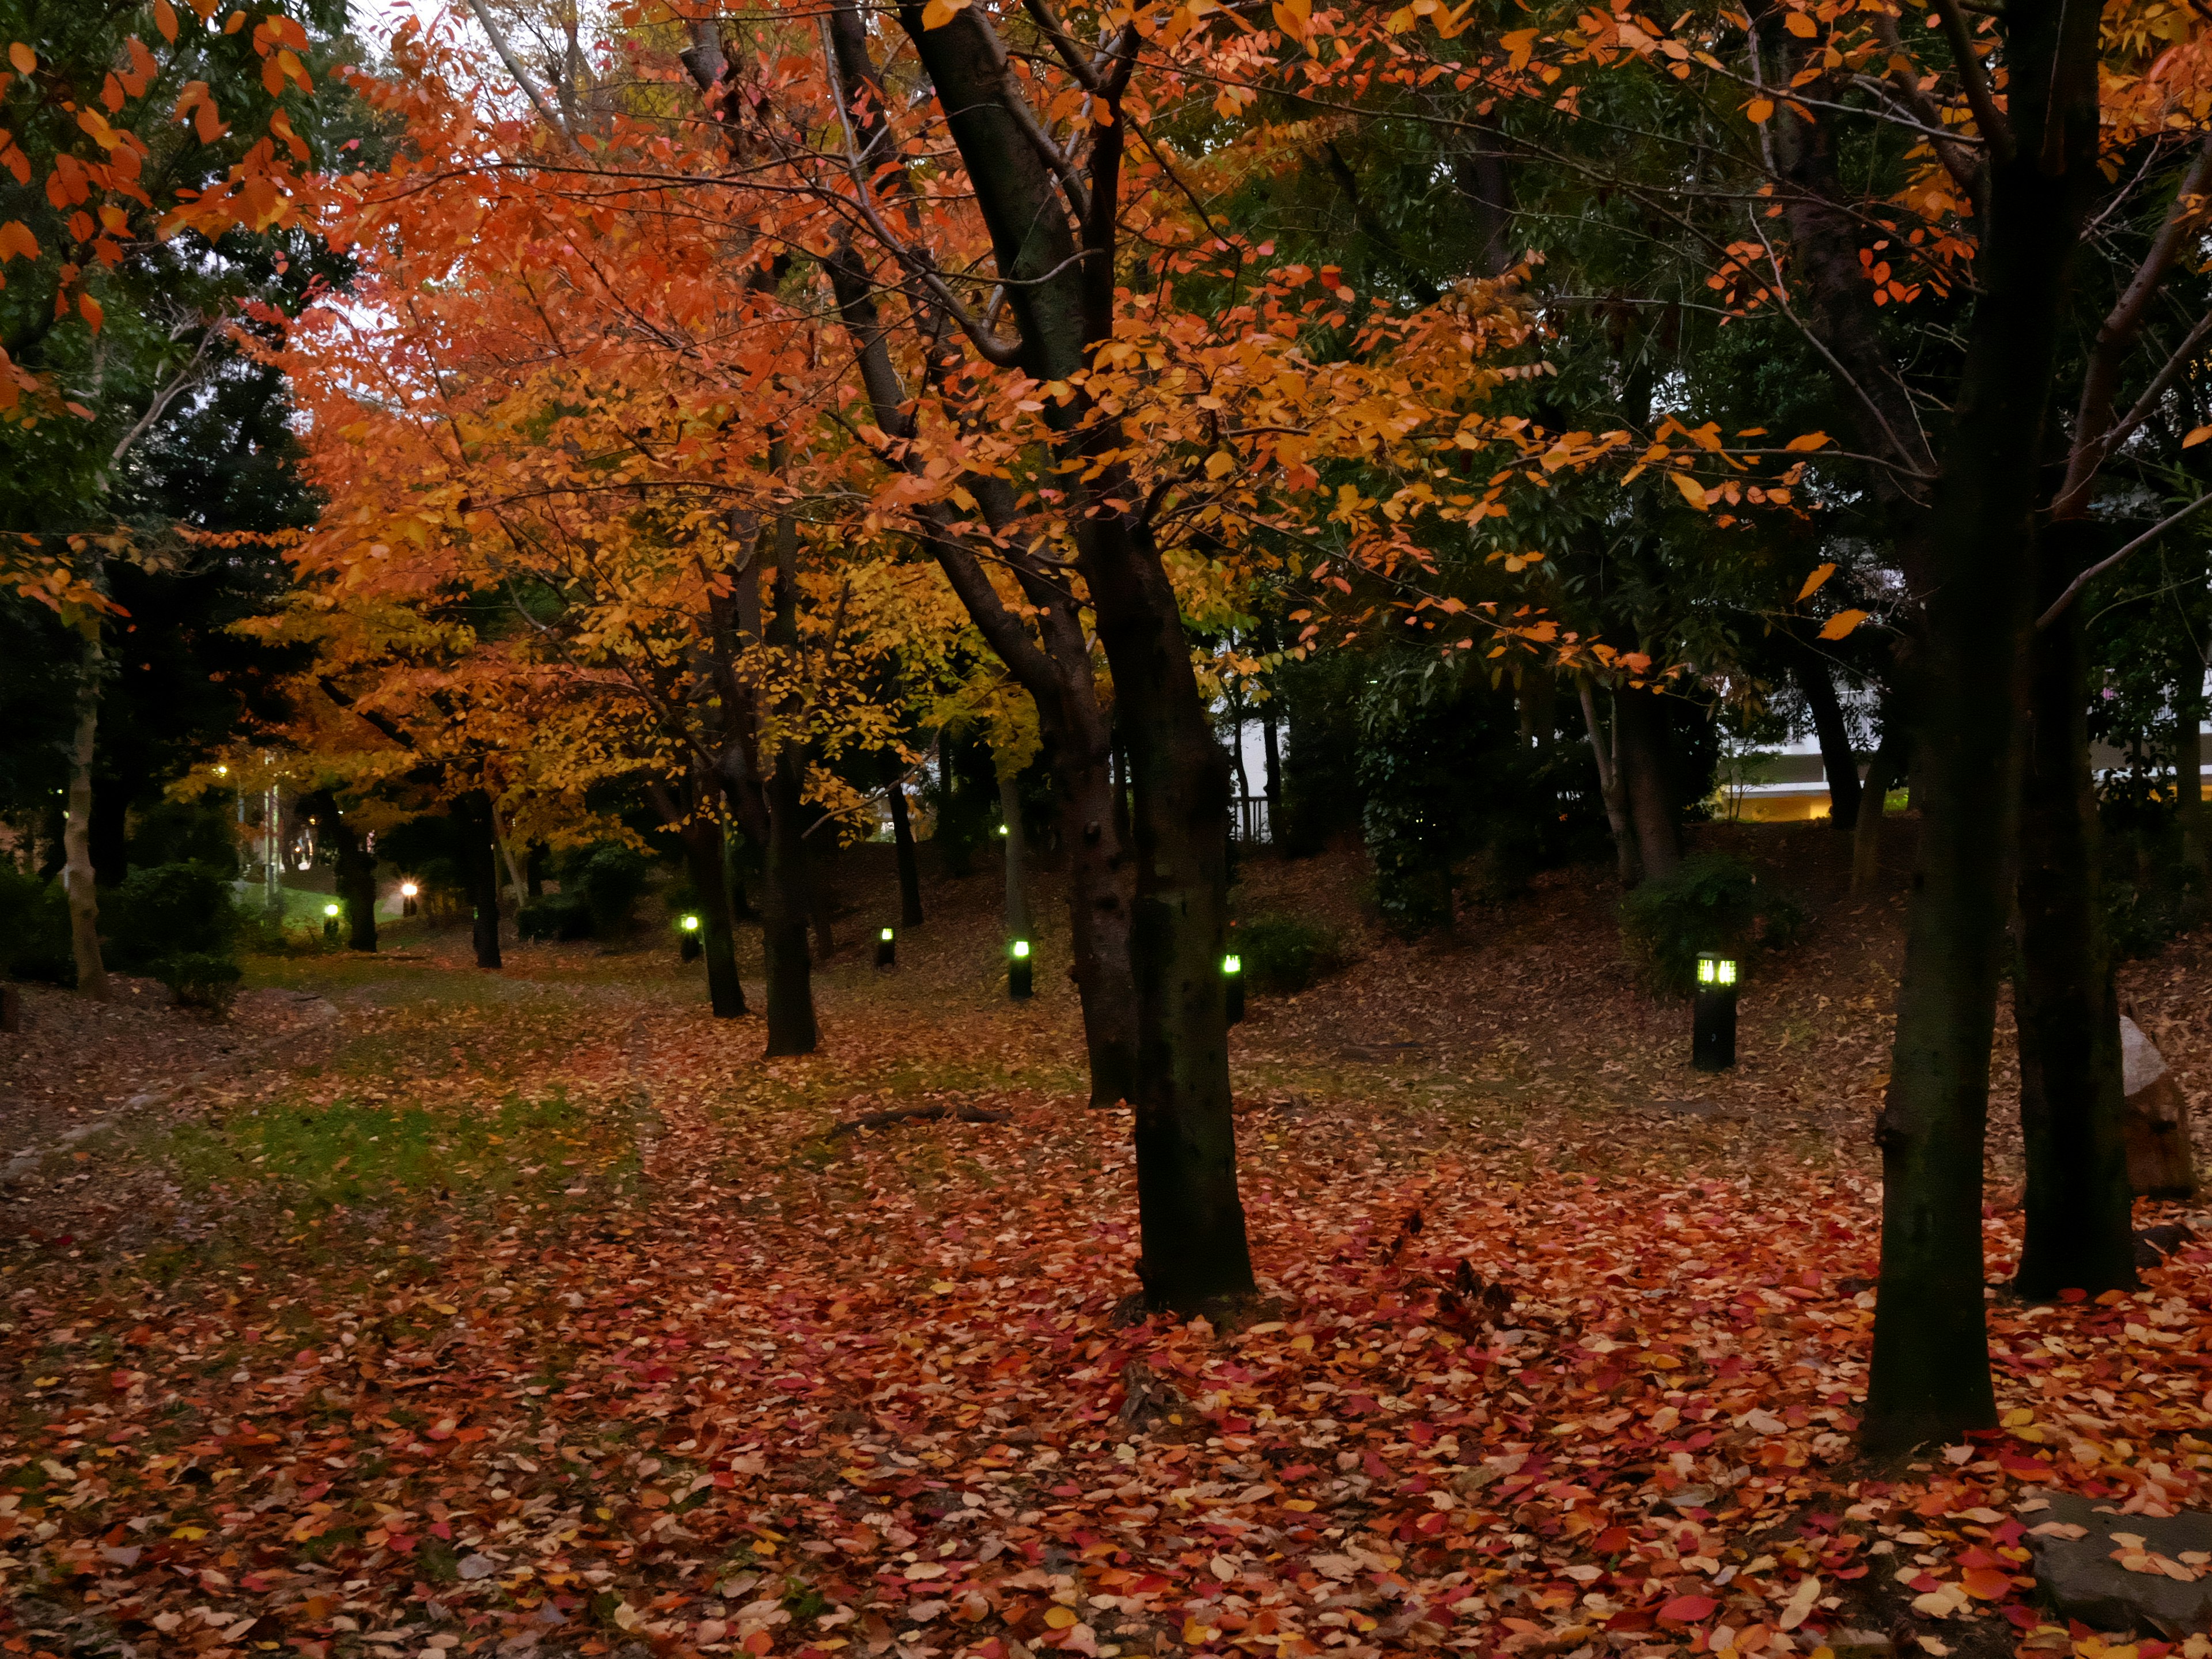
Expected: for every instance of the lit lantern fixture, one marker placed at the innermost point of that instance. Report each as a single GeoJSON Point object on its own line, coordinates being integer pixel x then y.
{"type": "Point", "coordinates": [222, 771]}
{"type": "Point", "coordinates": [1002, 828]}
{"type": "Point", "coordinates": [1712, 1042]}
{"type": "Point", "coordinates": [330, 921]}
{"type": "Point", "coordinates": [1232, 977]}
{"type": "Point", "coordinates": [689, 950]}
{"type": "Point", "coordinates": [691, 924]}
{"type": "Point", "coordinates": [886, 948]}
{"type": "Point", "coordinates": [408, 891]}
{"type": "Point", "coordinates": [1017, 969]}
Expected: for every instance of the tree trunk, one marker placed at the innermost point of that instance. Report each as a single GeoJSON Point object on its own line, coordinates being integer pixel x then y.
{"type": "Point", "coordinates": [1271, 746]}
{"type": "Point", "coordinates": [1834, 733]}
{"type": "Point", "coordinates": [909, 868]}
{"type": "Point", "coordinates": [506, 856]}
{"type": "Point", "coordinates": [2189, 773]}
{"type": "Point", "coordinates": [1018, 922]}
{"type": "Point", "coordinates": [1640, 753]}
{"type": "Point", "coordinates": [1930, 1376]}
{"type": "Point", "coordinates": [821, 900]}
{"type": "Point", "coordinates": [1099, 892]}
{"type": "Point", "coordinates": [76, 831]}
{"type": "Point", "coordinates": [533, 869]}
{"type": "Point", "coordinates": [472, 819]}
{"type": "Point", "coordinates": [357, 884]}
{"type": "Point", "coordinates": [2080, 1211]}
{"type": "Point", "coordinates": [1609, 785]}
{"type": "Point", "coordinates": [703, 858]}
{"type": "Point", "coordinates": [1196, 1252]}
{"type": "Point", "coordinates": [791, 1027]}
{"type": "Point", "coordinates": [1883, 771]}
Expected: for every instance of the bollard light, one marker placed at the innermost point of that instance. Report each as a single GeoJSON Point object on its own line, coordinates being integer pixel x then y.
{"type": "Point", "coordinates": [1713, 1039]}
{"type": "Point", "coordinates": [689, 950]}
{"type": "Point", "coordinates": [330, 921]}
{"type": "Point", "coordinates": [691, 924]}
{"type": "Point", "coordinates": [1232, 976]}
{"type": "Point", "coordinates": [408, 890]}
{"type": "Point", "coordinates": [886, 948]}
{"type": "Point", "coordinates": [1017, 969]}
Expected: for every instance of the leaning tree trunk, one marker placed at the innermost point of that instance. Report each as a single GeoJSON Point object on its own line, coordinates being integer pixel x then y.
{"type": "Point", "coordinates": [1834, 734]}
{"type": "Point", "coordinates": [1611, 790]}
{"type": "Point", "coordinates": [910, 870]}
{"type": "Point", "coordinates": [2080, 1210]}
{"type": "Point", "coordinates": [1931, 1373]}
{"type": "Point", "coordinates": [76, 828]}
{"type": "Point", "coordinates": [1640, 753]}
{"type": "Point", "coordinates": [1883, 772]}
{"type": "Point", "coordinates": [472, 820]}
{"type": "Point", "coordinates": [703, 861]}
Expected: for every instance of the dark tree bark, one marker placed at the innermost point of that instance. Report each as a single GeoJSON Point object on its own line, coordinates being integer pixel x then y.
{"type": "Point", "coordinates": [821, 898]}
{"type": "Point", "coordinates": [1613, 789]}
{"type": "Point", "coordinates": [1271, 746]}
{"type": "Point", "coordinates": [1834, 733]}
{"type": "Point", "coordinates": [534, 863]}
{"type": "Point", "coordinates": [791, 1024]}
{"type": "Point", "coordinates": [1060, 295]}
{"type": "Point", "coordinates": [480, 871]}
{"type": "Point", "coordinates": [2189, 771]}
{"type": "Point", "coordinates": [356, 881]}
{"type": "Point", "coordinates": [2080, 1227]}
{"type": "Point", "coordinates": [1640, 749]}
{"type": "Point", "coordinates": [1930, 1376]}
{"type": "Point", "coordinates": [1884, 772]}
{"type": "Point", "coordinates": [703, 858]}
{"type": "Point", "coordinates": [909, 869]}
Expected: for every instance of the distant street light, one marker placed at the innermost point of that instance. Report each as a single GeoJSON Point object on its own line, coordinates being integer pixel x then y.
{"type": "Point", "coordinates": [1232, 976]}
{"type": "Point", "coordinates": [330, 921]}
{"type": "Point", "coordinates": [886, 948]}
{"type": "Point", "coordinates": [1018, 971]}
{"type": "Point", "coordinates": [408, 890]}
{"type": "Point", "coordinates": [689, 951]}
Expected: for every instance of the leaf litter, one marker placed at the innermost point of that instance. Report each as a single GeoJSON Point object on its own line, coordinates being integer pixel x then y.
{"type": "Point", "coordinates": [629, 1355]}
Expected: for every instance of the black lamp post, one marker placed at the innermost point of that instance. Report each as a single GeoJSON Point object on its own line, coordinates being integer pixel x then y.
{"type": "Point", "coordinates": [1712, 1044]}
{"type": "Point", "coordinates": [330, 921]}
{"type": "Point", "coordinates": [1233, 978]}
{"type": "Point", "coordinates": [886, 948]}
{"type": "Point", "coordinates": [1017, 969]}
{"type": "Point", "coordinates": [687, 950]}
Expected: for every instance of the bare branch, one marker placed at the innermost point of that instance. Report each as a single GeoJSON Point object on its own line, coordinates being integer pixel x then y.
{"type": "Point", "coordinates": [2059, 605]}
{"type": "Point", "coordinates": [1996, 130]}
{"type": "Point", "coordinates": [551, 117]}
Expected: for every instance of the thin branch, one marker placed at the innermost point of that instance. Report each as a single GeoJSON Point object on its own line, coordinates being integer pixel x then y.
{"type": "Point", "coordinates": [2059, 605]}
{"type": "Point", "coordinates": [546, 112]}
{"type": "Point", "coordinates": [1995, 128]}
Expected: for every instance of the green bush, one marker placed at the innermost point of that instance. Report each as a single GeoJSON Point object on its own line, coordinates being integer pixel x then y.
{"type": "Point", "coordinates": [608, 878]}
{"type": "Point", "coordinates": [34, 928]}
{"type": "Point", "coordinates": [1714, 902]}
{"type": "Point", "coordinates": [1283, 953]}
{"type": "Point", "coordinates": [555, 916]}
{"type": "Point", "coordinates": [166, 910]}
{"type": "Point", "coordinates": [199, 979]}
{"type": "Point", "coordinates": [179, 923]}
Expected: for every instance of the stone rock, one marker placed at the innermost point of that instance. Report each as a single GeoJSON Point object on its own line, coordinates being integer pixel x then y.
{"type": "Point", "coordinates": [2081, 1578]}
{"type": "Point", "coordinates": [2160, 1162]}
{"type": "Point", "coordinates": [1860, 1644]}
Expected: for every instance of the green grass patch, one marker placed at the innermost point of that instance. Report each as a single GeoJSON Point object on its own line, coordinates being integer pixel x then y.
{"type": "Point", "coordinates": [313, 1159]}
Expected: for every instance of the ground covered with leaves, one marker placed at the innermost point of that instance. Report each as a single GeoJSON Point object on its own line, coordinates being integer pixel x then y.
{"type": "Point", "coordinates": [533, 1313]}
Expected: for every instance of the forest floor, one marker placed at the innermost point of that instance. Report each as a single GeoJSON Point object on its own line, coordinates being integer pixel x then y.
{"type": "Point", "coordinates": [534, 1313]}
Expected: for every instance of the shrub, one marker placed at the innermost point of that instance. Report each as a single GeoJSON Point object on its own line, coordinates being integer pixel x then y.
{"type": "Point", "coordinates": [34, 928]}
{"type": "Point", "coordinates": [168, 910]}
{"type": "Point", "coordinates": [609, 877]}
{"type": "Point", "coordinates": [555, 916]}
{"type": "Point", "coordinates": [1285, 953]}
{"type": "Point", "coordinates": [178, 922]}
{"type": "Point", "coordinates": [1714, 902]}
{"type": "Point", "coordinates": [199, 979]}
